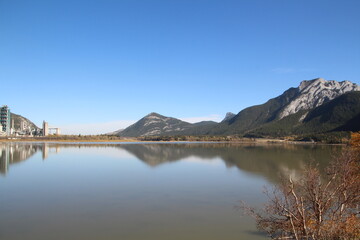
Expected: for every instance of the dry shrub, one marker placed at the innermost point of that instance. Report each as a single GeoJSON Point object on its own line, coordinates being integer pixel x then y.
{"type": "Point", "coordinates": [316, 207]}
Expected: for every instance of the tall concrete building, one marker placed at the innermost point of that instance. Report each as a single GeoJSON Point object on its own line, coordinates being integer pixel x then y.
{"type": "Point", "coordinates": [5, 119]}
{"type": "Point", "coordinates": [45, 128]}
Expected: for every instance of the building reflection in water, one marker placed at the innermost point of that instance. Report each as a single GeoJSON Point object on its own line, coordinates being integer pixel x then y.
{"type": "Point", "coordinates": [12, 153]}
{"type": "Point", "coordinates": [46, 149]}
{"type": "Point", "coordinates": [4, 159]}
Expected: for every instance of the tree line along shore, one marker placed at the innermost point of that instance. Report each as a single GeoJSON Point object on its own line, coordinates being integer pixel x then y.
{"type": "Point", "coordinates": [326, 138]}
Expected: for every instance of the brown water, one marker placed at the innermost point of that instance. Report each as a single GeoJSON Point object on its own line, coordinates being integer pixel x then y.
{"type": "Point", "coordinates": [140, 191]}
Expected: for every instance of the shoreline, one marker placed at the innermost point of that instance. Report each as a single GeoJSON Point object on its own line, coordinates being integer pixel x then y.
{"type": "Point", "coordinates": [139, 141]}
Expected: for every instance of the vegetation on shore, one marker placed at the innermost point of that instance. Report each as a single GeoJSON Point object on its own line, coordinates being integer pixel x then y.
{"type": "Point", "coordinates": [315, 207]}
{"type": "Point", "coordinates": [326, 138]}
{"type": "Point", "coordinates": [70, 138]}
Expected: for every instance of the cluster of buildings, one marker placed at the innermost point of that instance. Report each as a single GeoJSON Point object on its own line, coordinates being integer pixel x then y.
{"type": "Point", "coordinates": [7, 126]}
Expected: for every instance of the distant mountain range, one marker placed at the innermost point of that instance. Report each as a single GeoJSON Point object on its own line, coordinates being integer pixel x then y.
{"type": "Point", "coordinates": [316, 106]}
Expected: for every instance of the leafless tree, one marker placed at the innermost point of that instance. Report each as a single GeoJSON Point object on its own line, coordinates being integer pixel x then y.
{"type": "Point", "coordinates": [315, 207]}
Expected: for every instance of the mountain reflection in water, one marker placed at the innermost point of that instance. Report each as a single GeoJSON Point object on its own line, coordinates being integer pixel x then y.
{"type": "Point", "coordinates": [269, 160]}
{"type": "Point", "coordinates": [132, 191]}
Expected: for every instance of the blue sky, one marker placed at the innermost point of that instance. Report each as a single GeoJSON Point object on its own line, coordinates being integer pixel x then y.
{"type": "Point", "coordinates": [97, 66]}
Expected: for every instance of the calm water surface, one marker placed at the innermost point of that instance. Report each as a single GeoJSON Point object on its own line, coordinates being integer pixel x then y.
{"type": "Point", "coordinates": [140, 191]}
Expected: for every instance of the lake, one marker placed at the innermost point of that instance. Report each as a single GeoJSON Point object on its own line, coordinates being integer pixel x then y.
{"type": "Point", "coordinates": [137, 191]}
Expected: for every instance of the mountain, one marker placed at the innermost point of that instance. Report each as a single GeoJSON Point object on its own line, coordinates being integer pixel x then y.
{"type": "Point", "coordinates": [255, 116]}
{"type": "Point", "coordinates": [204, 123]}
{"type": "Point", "coordinates": [196, 129]}
{"type": "Point", "coordinates": [315, 106]}
{"type": "Point", "coordinates": [117, 132]}
{"type": "Point", "coordinates": [155, 124]}
{"type": "Point", "coordinates": [308, 95]}
{"type": "Point", "coordinates": [228, 116]}
{"type": "Point", "coordinates": [22, 122]}
{"type": "Point", "coordinates": [339, 114]}
{"type": "Point", "coordinates": [316, 92]}
{"type": "Point", "coordinates": [335, 114]}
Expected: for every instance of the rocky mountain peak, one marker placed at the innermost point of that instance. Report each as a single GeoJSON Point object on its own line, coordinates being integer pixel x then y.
{"type": "Point", "coordinates": [155, 117]}
{"type": "Point", "coordinates": [153, 114]}
{"type": "Point", "coordinates": [305, 83]}
{"type": "Point", "coordinates": [228, 116]}
{"type": "Point", "coordinates": [313, 93]}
